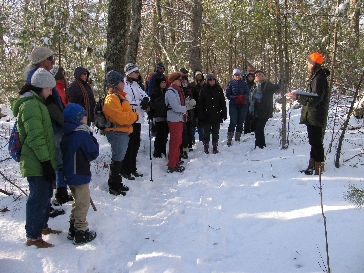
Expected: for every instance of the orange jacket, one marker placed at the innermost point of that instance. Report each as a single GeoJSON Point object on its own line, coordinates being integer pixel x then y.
{"type": "Point", "coordinates": [120, 113]}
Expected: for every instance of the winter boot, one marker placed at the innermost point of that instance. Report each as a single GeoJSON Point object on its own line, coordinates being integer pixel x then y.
{"type": "Point", "coordinates": [206, 148]}
{"type": "Point", "coordinates": [310, 167]}
{"type": "Point", "coordinates": [237, 136]}
{"type": "Point", "coordinates": [39, 243]}
{"type": "Point", "coordinates": [115, 181]}
{"type": "Point", "coordinates": [71, 230]}
{"type": "Point", "coordinates": [61, 196]}
{"type": "Point", "coordinates": [83, 236]}
{"type": "Point", "coordinates": [214, 148]}
{"type": "Point", "coordinates": [319, 167]}
{"type": "Point", "coordinates": [230, 138]}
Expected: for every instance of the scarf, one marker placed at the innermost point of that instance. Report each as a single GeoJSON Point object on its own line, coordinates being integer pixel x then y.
{"type": "Point", "coordinates": [255, 96]}
{"type": "Point", "coordinates": [182, 98]}
{"type": "Point", "coordinates": [86, 100]}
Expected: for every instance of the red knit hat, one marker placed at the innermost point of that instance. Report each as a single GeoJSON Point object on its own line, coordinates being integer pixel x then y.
{"type": "Point", "coordinates": [316, 59]}
{"type": "Point", "coordinates": [174, 76]}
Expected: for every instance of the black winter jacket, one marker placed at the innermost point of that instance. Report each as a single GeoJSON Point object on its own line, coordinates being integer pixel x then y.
{"type": "Point", "coordinates": [264, 107]}
{"type": "Point", "coordinates": [212, 104]}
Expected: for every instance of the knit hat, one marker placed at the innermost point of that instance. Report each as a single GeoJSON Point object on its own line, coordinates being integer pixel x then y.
{"type": "Point", "coordinates": [58, 72]}
{"type": "Point", "coordinates": [43, 79]}
{"type": "Point", "coordinates": [113, 78]}
{"type": "Point", "coordinates": [210, 77]}
{"type": "Point", "coordinates": [130, 68]}
{"type": "Point", "coordinates": [236, 71]}
{"type": "Point", "coordinates": [159, 65]}
{"type": "Point", "coordinates": [174, 76]}
{"type": "Point", "coordinates": [183, 70]}
{"type": "Point", "coordinates": [158, 81]}
{"type": "Point", "coordinates": [258, 71]}
{"type": "Point", "coordinates": [40, 54]}
{"type": "Point", "coordinates": [198, 72]}
{"type": "Point", "coordinates": [315, 59]}
{"type": "Point", "coordinates": [74, 112]}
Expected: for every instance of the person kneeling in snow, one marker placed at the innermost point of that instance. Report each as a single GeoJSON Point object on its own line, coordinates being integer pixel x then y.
{"type": "Point", "coordinates": [79, 147]}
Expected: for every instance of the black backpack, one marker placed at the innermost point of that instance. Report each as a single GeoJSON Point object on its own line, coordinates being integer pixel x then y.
{"type": "Point", "coordinates": [160, 108]}
{"type": "Point", "coordinates": [101, 122]}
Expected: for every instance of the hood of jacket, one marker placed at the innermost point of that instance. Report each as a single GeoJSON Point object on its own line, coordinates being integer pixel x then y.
{"type": "Point", "coordinates": [79, 71]}
{"type": "Point", "coordinates": [72, 125]}
{"type": "Point", "coordinates": [15, 103]}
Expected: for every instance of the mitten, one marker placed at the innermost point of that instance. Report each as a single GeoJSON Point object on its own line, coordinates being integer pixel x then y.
{"type": "Point", "coordinates": [144, 103]}
{"type": "Point", "coordinates": [192, 102]}
{"type": "Point", "coordinates": [240, 99]}
{"type": "Point", "coordinates": [49, 174]}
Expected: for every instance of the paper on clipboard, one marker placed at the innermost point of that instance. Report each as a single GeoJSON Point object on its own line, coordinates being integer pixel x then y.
{"type": "Point", "coordinates": [304, 93]}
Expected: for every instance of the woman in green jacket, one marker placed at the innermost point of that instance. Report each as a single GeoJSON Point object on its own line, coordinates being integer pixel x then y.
{"type": "Point", "coordinates": [37, 160]}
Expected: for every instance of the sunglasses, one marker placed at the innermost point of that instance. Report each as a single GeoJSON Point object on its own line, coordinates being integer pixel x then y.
{"type": "Point", "coordinates": [137, 72]}
{"type": "Point", "coordinates": [237, 75]}
{"type": "Point", "coordinates": [211, 80]}
{"type": "Point", "coordinates": [84, 73]}
{"type": "Point", "coordinates": [162, 68]}
{"type": "Point", "coordinates": [50, 58]}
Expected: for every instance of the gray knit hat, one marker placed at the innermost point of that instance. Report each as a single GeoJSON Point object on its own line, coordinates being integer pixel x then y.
{"type": "Point", "coordinates": [130, 68]}
{"type": "Point", "coordinates": [43, 79]}
{"type": "Point", "coordinates": [40, 54]}
{"type": "Point", "coordinates": [113, 78]}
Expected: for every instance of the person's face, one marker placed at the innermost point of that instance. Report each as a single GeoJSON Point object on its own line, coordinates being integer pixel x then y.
{"type": "Point", "coordinates": [250, 78]}
{"type": "Point", "coordinates": [163, 84]}
{"type": "Point", "coordinates": [120, 86]}
{"type": "Point", "coordinates": [309, 66]}
{"type": "Point", "coordinates": [211, 82]}
{"type": "Point", "coordinates": [84, 120]}
{"type": "Point", "coordinates": [184, 82]}
{"type": "Point", "coordinates": [177, 81]}
{"type": "Point", "coordinates": [134, 75]}
{"type": "Point", "coordinates": [83, 76]}
{"type": "Point", "coordinates": [198, 77]}
{"type": "Point", "coordinates": [48, 63]}
{"type": "Point", "coordinates": [161, 69]}
{"type": "Point", "coordinates": [46, 92]}
{"type": "Point", "coordinates": [237, 76]}
{"type": "Point", "coordinates": [259, 77]}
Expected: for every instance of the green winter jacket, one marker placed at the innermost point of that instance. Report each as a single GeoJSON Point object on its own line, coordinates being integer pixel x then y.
{"type": "Point", "coordinates": [35, 133]}
{"type": "Point", "coordinates": [315, 109]}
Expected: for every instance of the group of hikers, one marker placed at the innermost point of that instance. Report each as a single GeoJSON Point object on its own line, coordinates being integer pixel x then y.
{"type": "Point", "coordinates": [54, 120]}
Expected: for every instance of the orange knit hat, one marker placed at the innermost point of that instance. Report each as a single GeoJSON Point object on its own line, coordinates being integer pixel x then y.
{"type": "Point", "coordinates": [316, 59]}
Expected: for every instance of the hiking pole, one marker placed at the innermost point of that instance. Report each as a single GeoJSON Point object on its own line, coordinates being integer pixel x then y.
{"type": "Point", "coordinates": [150, 151]}
{"type": "Point", "coordinates": [93, 204]}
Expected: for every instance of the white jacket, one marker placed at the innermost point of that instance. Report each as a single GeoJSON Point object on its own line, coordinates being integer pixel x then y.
{"type": "Point", "coordinates": [135, 95]}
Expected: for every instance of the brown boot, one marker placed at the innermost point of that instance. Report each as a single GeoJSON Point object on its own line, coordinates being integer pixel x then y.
{"type": "Point", "coordinates": [47, 231]}
{"type": "Point", "coordinates": [39, 243]}
{"type": "Point", "coordinates": [310, 167]}
{"type": "Point", "coordinates": [319, 167]}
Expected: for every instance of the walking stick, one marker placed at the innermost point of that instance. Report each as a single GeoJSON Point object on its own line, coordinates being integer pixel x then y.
{"type": "Point", "coordinates": [92, 204]}
{"type": "Point", "coordinates": [150, 151]}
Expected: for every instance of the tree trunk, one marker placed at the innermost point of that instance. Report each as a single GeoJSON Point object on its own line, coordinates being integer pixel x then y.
{"type": "Point", "coordinates": [195, 52]}
{"type": "Point", "coordinates": [354, 21]}
{"type": "Point", "coordinates": [117, 34]}
{"type": "Point", "coordinates": [136, 23]}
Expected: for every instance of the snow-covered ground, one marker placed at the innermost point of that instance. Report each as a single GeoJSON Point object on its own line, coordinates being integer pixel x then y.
{"type": "Point", "coordinates": [242, 210]}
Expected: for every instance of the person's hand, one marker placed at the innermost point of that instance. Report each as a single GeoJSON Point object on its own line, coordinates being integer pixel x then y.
{"type": "Point", "coordinates": [291, 95]}
{"type": "Point", "coordinates": [144, 103]}
{"type": "Point", "coordinates": [49, 173]}
{"type": "Point", "coordinates": [240, 99]}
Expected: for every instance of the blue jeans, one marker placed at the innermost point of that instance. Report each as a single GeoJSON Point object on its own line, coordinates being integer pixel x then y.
{"type": "Point", "coordinates": [119, 144]}
{"type": "Point", "coordinates": [60, 183]}
{"type": "Point", "coordinates": [237, 113]}
{"type": "Point", "coordinates": [37, 207]}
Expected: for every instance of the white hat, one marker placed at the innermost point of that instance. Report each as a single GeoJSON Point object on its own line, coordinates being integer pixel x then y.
{"type": "Point", "coordinates": [130, 68]}
{"type": "Point", "coordinates": [43, 79]}
{"type": "Point", "coordinates": [40, 54]}
{"type": "Point", "coordinates": [236, 71]}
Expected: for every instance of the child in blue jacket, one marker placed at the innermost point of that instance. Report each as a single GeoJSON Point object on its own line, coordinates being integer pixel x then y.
{"type": "Point", "coordinates": [78, 147]}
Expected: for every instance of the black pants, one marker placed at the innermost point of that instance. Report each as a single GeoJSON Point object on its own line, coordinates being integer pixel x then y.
{"type": "Point", "coordinates": [315, 136]}
{"type": "Point", "coordinates": [160, 142]}
{"type": "Point", "coordinates": [211, 128]}
{"type": "Point", "coordinates": [259, 132]}
{"type": "Point", "coordinates": [129, 162]}
{"type": "Point", "coordinates": [249, 125]}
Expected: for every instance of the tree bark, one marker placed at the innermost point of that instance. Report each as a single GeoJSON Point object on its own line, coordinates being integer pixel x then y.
{"type": "Point", "coordinates": [134, 36]}
{"type": "Point", "coordinates": [195, 48]}
{"type": "Point", "coordinates": [117, 34]}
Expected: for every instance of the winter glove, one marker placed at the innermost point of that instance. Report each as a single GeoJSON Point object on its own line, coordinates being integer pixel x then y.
{"type": "Point", "coordinates": [240, 99]}
{"type": "Point", "coordinates": [49, 174]}
{"type": "Point", "coordinates": [192, 102]}
{"type": "Point", "coordinates": [144, 103]}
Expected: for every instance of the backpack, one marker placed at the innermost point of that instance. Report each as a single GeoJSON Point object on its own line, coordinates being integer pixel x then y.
{"type": "Point", "coordinates": [100, 121]}
{"type": "Point", "coordinates": [14, 147]}
{"type": "Point", "coordinates": [160, 108]}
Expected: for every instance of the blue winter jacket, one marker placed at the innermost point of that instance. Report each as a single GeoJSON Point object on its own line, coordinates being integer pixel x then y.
{"type": "Point", "coordinates": [235, 88]}
{"type": "Point", "coordinates": [78, 147]}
